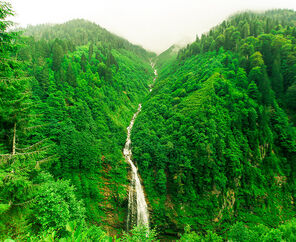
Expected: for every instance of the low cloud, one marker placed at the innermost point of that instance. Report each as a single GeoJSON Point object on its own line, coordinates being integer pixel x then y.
{"type": "Point", "coordinates": [153, 24]}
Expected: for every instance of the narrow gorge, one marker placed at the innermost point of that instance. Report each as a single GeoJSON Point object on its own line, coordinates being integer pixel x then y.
{"type": "Point", "coordinates": [137, 207]}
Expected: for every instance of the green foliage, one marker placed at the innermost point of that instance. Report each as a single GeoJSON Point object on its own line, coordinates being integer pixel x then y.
{"type": "Point", "coordinates": [140, 233]}
{"type": "Point", "coordinates": [239, 232]}
{"type": "Point", "coordinates": [215, 142]}
{"type": "Point", "coordinates": [21, 149]}
{"type": "Point", "coordinates": [189, 236]}
{"type": "Point", "coordinates": [74, 232]}
{"type": "Point", "coordinates": [215, 133]}
{"type": "Point", "coordinates": [56, 205]}
{"type": "Point", "coordinates": [68, 119]}
{"type": "Point", "coordinates": [88, 90]}
{"type": "Point", "coordinates": [242, 232]}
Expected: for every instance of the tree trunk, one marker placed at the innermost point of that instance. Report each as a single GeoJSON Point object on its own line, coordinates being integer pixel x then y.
{"type": "Point", "coordinates": [13, 140]}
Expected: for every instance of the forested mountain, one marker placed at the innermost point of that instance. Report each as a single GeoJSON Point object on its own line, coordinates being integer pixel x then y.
{"type": "Point", "coordinates": [67, 95]}
{"type": "Point", "coordinates": [81, 32]}
{"type": "Point", "coordinates": [215, 142]}
{"type": "Point", "coordinates": [167, 57]}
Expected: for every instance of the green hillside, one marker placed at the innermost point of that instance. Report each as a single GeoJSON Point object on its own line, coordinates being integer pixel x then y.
{"type": "Point", "coordinates": [79, 85]}
{"type": "Point", "coordinates": [214, 143]}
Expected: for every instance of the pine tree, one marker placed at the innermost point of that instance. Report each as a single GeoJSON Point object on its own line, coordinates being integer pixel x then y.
{"type": "Point", "coordinates": [57, 56]}
{"type": "Point", "coordinates": [83, 62]}
{"type": "Point", "coordinates": [291, 97]}
{"type": "Point", "coordinates": [70, 76]}
{"type": "Point", "coordinates": [277, 78]}
{"type": "Point", "coordinates": [16, 117]}
{"type": "Point", "coordinates": [90, 51]}
{"type": "Point", "coordinates": [245, 30]}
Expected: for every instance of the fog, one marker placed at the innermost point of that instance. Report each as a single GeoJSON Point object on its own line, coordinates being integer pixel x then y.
{"type": "Point", "coordinates": [153, 24]}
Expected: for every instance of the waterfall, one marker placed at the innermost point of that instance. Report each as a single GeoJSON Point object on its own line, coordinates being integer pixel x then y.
{"type": "Point", "coordinates": [137, 206]}
{"type": "Point", "coordinates": [155, 73]}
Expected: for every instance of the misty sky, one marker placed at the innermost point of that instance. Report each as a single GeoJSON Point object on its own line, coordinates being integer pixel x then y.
{"type": "Point", "coordinates": [153, 24]}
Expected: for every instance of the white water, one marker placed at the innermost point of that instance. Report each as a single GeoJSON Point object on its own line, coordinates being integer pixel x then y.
{"type": "Point", "coordinates": [137, 206]}
{"type": "Point", "coordinates": [155, 73]}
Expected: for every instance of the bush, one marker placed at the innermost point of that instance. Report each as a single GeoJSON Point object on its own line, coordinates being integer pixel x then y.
{"type": "Point", "coordinates": [56, 205]}
{"type": "Point", "coordinates": [140, 233]}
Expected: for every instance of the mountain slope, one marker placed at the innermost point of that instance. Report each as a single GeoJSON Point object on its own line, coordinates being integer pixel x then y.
{"type": "Point", "coordinates": [85, 85]}
{"type": "Point", "coordinates": [81, 32]}
{"type": "Point", "coordinates": [214, 144]}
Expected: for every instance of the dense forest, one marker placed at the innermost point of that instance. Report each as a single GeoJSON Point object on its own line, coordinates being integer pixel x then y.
{"type": "Point", "coordinates": [67, 94]}
{"type": "Point", "coordinates": [215, 142]}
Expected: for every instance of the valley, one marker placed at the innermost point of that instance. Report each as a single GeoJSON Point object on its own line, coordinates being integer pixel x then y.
{"type": "Point", "coordinates": [102, 140]}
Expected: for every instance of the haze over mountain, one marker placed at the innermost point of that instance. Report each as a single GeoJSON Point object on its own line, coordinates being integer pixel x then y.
{"type": "Point", "coordinates": [155, 25]}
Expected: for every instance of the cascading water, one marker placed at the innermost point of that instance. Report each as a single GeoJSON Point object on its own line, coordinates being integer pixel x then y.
{"type": "Point", "coordinates": [137, 206]}
{"type": "Point", "coordinates": [155, 73]}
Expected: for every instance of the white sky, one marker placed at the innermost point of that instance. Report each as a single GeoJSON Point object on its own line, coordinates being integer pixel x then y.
{"type": "Point", "coordinates": [153, 24]}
